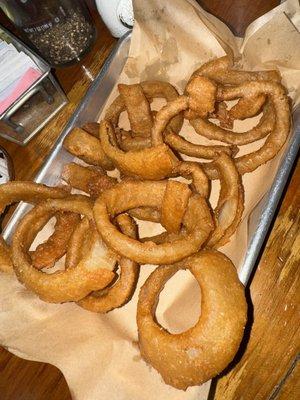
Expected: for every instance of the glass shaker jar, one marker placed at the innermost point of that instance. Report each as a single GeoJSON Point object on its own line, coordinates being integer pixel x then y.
{"type": "Point", "coordinates": [61, 31]}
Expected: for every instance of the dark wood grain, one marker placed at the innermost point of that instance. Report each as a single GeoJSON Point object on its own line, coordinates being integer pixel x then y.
{"type": "Point", "coordinates": [238, 14]}
{"type": "Point", "coordinates": [267, 366]}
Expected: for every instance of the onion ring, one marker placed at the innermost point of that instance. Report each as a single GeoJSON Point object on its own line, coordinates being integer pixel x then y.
{"type": "Point", "coordinates": [187, 169]}
{"type": "Point", "coordinates": [160, 125]}
{"type": "Point", "coordinates": [128, 143]}
{"type": "Point", "coordinates": [197, 222]}
{"type": "Point", "coordinates": [6, 264]}
{"type": "Point", "coordinates": [13, 192]}
{"type": "Point", "coordinates": [174, 205]}
{"type": "Point", "coordinates": [30, 192]}
{"type": "Point", "coordinates": [152, 90]}
{"type": "Point", "coordinates": [145, 214]}
{"type": "Point", "coordinates": [152, 163]}
{"type": "Point", "coordinates": [87, 147]}
{"type": "Point", "coordinates": [164, 115]}
{"type": "Point", "coordinates": [278, 136]}
{"type": "Point", "coordinates": [61, 286]}
{"type": "Point", "coordinates": [91, 180]}
{"type": "Point", "coordinates": [230, 205]}
{"type": "Point", "coordinates": [203, 351]}
{"type": "Point", "coordinates": [183, 146]}
{"type": "Point", "coordinates": [214, 132]}
{"type": "Point", "coordinates": [47, 253]}
{"type": "Point", "coordinates": [220, 70]}
{"type": "Point", "coordinates": [247, 107]}
{"type": "Point", "coordinates": [192, 170]}
{"type": "Point", "coordinates": [138, 109]}
{"type": "Point", "coordinates": [92, 128]}
{"type": "Point", "coordinates": [202, 94]}
{"type": "Point", "coordinates": [120, 293]}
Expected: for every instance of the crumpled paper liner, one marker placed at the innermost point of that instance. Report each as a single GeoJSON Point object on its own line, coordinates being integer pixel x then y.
{"type": "Point", "coordinates": [98, 354]}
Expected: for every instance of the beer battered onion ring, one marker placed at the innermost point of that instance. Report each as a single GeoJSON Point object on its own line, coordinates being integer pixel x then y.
{"type": "Point", "coordinates": [203, 351]}
{"type": "Point", "coordinates": [60, 286]}
{"type": "Point", "coordinates": [230, 207]}
{"type": "Point", "coordinates": [199, 184]}
{"type": "Point", "coordinates": [183, 146]}
{"type": "Point", "coordinates": [30, 192]}
{"type": "Point", "coordinates": [155, 162]}
{"type": "Point", "coordinates": [14, 192]}
{"type": "Point", "coordinates": [122, 290]}
{"type": "Point", "coordinates": [174, 205]}
{"type": "Point", "coordinates": [176, 142]}
{"type": "Point", "coordinates": [138, 109]}
{"type": "Point", "coordinates": [179, 144]}
{"type": "Point", "coordinates": [221, 71]}
{"type": "Point", "coordinates": [87, 147]}
{"type": "Point", "coordinates": [214, 132]}
{"type": "Point", "coordinates": [152, 90]}
{"type": "Point", "coordinates": [5, 257]}
{"type": "Point", "coordinates": [47, 253]}
{"type": "Point", "coordinates": [197, 222]}
{"type": "Point", "coordinates": [187, 169]}
{"type": "Point", "coordinates": [277, 137]}
{"type": "Point", "coordinates": [91, 180]}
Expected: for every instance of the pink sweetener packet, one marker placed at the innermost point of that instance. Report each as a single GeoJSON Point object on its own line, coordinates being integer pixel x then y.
{"type": "Point", "coordinates": [29, 77]}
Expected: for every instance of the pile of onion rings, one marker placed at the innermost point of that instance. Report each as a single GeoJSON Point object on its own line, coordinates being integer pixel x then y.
{"type": "Point", "coordinates": [145, 173]}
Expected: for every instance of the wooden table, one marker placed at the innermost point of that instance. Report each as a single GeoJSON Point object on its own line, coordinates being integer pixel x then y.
{"type": "Point", "coordinates": [267, 366]}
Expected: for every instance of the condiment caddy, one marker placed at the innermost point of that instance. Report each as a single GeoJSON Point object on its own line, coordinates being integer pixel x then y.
{"type": "Point", "coordinates": [30, 112]}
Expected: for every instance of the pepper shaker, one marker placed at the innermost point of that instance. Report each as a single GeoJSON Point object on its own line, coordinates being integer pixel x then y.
{"type": "Point", "coordinates": [61, 31]}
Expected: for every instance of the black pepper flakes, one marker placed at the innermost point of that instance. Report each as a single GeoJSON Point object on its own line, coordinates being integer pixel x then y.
{"type": "Point", "coordinates": [66, 41]}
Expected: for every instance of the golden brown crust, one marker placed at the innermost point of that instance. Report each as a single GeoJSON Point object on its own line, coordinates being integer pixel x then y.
{"type": "Point", "coordinates": [214, 132]}
{"type": "Point", "coordinates": [92, 128]}
{"type": "Point", "coordinates": [202, 95]}
{"type": "Point", "coordinates": [230, 207]}
{"type": "Point", "coordinates": [222, 71]}
{"type": "Point", "coordinates": [91, 180]}
{"type": "Point", "coordinates": [121, 291]}
{"type": "Point", "coordinates": [277, 137]}
{"type": "Point", "coordinates": [30, 192]}
{"type": "Point", "coordinates": [151, 163]}
{"type": "Point", "coordinates": [6, 264]}
{"type": "Point", "coordinates": [183, 146]}
{"type": "Point", "coordinates": [87, 147]}
{"type": "Point", "coordinates": [60, 286]}
{"type": "Point", "coordinates": [138, 109]}
{"type": "Point", "coordinates": [174, 205]}
{"type": "Point", "coordinates": [203, 351]}
{"type": "Point", "coordinates": [46, 254]}
{"type": "Point", "coordinates": [152, 90]}
{"type": "Point", "coordinates": [197, 222]}
{"type": "Point", "coordinates": [13, 192]}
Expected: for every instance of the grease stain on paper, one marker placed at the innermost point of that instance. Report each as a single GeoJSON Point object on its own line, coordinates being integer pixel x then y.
{"type": "Point", "coordinates": [159, 68]}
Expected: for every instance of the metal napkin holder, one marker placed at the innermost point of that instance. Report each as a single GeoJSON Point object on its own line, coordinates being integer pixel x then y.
{"type": "Point", "coordinates": [36, 106]}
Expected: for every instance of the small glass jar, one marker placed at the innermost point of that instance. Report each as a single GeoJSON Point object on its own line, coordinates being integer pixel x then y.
{"type": "Point", "coordinates": [61, 31]}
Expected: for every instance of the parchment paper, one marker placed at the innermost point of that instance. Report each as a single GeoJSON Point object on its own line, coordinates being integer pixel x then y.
{"type": "Point", "coordinates": [98, 354]}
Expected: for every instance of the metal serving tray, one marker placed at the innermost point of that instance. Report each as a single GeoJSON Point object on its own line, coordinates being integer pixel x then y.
{"type": "Point", "coordinates": [89, 110]}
